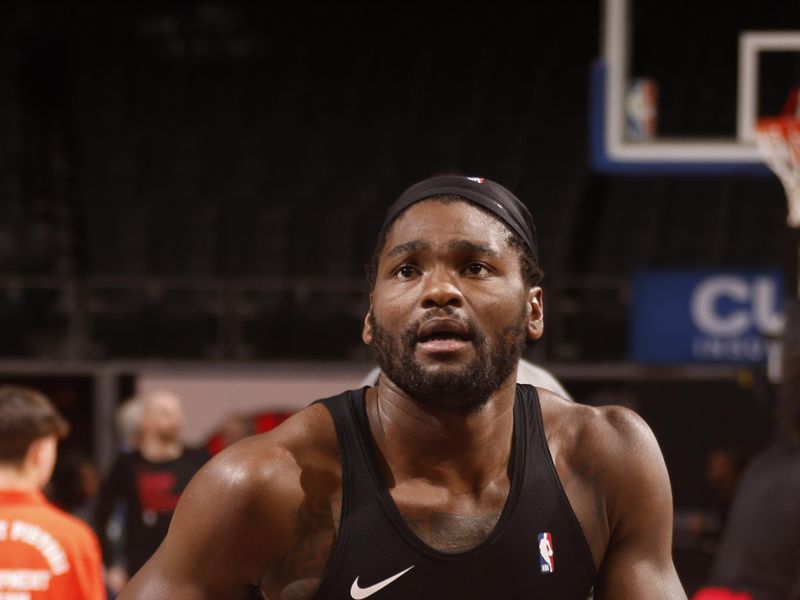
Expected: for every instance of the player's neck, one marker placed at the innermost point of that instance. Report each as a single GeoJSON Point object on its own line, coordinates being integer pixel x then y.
{"type": "Point", "coordinates": [454, 449]}
{"type": "Point", "coordinates": [18, 480]}
{"type": "Point", "coordinates": [158, 450]}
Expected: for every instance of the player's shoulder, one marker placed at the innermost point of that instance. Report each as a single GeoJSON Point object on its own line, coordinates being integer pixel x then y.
{"type": "Point", "coordinates": [609, 434]}
{"type": "Point", "coordinates": [274, 461]}
{"type": "Point", "coordinates": [307, 434]}
{"type": "Point", "coordinates": [255, 487]}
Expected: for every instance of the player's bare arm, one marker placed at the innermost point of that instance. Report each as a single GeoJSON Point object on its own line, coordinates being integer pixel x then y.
{"type": "Point", "coordinates": [615, 477]}
{"type": "Point", "coordinates": [261, 512]}
{"type": "Point", "coordinates": [638, 560]}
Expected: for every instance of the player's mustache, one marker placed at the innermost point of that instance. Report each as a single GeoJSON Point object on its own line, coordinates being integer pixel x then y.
{"type": "Point", "coordinates": [471, 332]}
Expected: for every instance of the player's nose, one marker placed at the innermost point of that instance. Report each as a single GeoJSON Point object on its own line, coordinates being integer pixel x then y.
{"type": "Point", "coordinates": [440, 289]}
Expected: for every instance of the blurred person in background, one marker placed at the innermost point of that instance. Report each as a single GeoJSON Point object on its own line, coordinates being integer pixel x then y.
{"type": "Point", "coordinates": [45, 553]}
{"type": "Point", "coordinates": [76, 483]}
{"type": "Point", "coordinates": [724, 467]}
{"type": "Point", "coordinates": [127, 420]}
{"type": "Point", "coordinates": [758, 556]}
{"type": "Point", "coordinates": [148, 480]}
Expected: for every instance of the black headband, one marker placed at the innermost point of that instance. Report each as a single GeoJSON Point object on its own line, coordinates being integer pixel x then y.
{"type": "Point", "coordinates": [483, 192]}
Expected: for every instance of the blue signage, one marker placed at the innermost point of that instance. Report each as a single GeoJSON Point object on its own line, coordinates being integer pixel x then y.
{"type": "Point", "coordinates": [705, 316]}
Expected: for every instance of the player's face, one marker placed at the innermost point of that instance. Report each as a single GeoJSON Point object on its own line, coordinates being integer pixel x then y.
{"type": "Point", "coordinates": [450, 311]}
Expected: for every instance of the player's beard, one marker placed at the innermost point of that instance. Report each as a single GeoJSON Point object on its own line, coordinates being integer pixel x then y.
{"type": "Point", "coordinates": [465, 388]}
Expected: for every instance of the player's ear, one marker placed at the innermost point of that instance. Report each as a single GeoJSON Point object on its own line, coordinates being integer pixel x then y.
{"type": "Point", "coordinates": [366, 332]}
{"type": "Point", "coordinates": [535, 324]}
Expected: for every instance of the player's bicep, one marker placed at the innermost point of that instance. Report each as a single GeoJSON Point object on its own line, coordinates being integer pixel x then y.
{"type": "Point", "coordinates": [155, 581]}
{"type": "Point", "coordinates": [638, 560]}
{"type": "Point", "coordinates": [225, 531]}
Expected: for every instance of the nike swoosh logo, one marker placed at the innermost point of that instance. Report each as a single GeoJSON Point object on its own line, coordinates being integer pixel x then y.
{"type": "Point", "coordinates": [358, 593]}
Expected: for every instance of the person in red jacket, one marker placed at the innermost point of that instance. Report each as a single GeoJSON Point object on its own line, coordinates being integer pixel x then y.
{"type": "Point", "coordinates": [44, 552]}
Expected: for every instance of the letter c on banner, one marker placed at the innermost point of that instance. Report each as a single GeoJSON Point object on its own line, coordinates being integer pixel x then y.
{"type": "Point", "coordinates": [704, 306]}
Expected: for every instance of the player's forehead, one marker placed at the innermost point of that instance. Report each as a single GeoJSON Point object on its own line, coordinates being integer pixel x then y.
{"type": "Point", "coordinates": [441, 222]}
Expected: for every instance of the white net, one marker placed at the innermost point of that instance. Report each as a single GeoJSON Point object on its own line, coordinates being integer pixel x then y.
{"type": "Point", "coordinates": [778, 141]}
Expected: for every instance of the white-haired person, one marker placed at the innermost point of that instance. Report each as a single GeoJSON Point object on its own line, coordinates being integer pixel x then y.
{"type": "Point", "coordinates": [148, 480]}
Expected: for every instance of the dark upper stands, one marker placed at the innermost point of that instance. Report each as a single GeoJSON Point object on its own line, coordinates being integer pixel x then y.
{"type": "Point", "coordinates": [213, 175]}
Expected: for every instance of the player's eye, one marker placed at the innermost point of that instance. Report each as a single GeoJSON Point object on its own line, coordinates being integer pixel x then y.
{"type": "Point", "coordinates": [405, 272]}
{"type": "Point", "coordinates": [477, 269]}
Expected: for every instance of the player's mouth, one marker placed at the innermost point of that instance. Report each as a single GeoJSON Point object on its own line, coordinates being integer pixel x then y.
{"type": "Point", "coordinates": [439, 336]}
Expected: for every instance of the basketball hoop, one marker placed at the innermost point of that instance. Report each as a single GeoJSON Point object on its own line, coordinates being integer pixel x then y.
{"type": "Point", "coordinates": [778, 141]}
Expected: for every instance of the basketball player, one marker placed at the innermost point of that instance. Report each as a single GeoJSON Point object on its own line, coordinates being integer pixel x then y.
{"type": "Point", "coordinates": [148, 482]}
{"type": "Point", "coordinates": [447, 479]}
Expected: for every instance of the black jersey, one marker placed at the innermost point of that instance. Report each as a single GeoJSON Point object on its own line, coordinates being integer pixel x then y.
{"type": "Point", "coordinates": [536, 550]}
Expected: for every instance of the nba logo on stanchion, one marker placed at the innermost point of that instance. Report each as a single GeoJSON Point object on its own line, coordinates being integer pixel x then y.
{"type": "Point", "coordinates": [546, 561]}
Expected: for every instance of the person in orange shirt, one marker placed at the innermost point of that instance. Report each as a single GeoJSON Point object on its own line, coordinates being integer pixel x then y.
{"type": "Point", "coordinates": [45, 553]}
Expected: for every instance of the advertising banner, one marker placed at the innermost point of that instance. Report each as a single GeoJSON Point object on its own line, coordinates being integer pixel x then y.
{"type": "Point", "coordinates": [705, 316]}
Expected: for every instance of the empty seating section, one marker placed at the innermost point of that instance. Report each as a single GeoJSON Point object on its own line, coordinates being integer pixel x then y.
{"type": "Point", "coordinates": [225, 168]}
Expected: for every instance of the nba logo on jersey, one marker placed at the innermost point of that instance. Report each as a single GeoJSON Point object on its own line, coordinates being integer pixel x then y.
{"type": "Point", "coordinates": [546, 552]}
